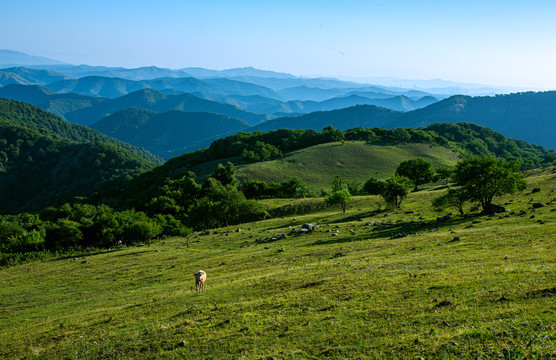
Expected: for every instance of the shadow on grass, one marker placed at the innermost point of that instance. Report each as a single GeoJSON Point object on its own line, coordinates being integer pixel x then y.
{"type": "Point", "coordinates": [86, 254]}
{"type": "Point", "coordinates": [395, 229]}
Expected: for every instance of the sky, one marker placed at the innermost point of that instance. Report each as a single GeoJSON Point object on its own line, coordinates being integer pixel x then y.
{"type": "Point", "coordinates": [501, 43]}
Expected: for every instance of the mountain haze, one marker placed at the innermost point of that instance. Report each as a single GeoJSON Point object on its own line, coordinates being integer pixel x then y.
{"type": "Point", "coordinates": [170, 133]}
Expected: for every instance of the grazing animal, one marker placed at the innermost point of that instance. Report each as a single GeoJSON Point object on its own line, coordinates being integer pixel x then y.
{"type": "Point", "coordinates": [200, 277]}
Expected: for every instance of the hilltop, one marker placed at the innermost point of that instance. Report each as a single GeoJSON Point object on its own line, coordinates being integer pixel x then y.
{"type": "Point", "coordinates": [318, 165]}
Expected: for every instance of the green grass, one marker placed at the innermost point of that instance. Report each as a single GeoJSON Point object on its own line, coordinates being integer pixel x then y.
{"type": "Point", "coordinates": [318, 165]}
{"type": "Point", "coordinates": [294, 299]}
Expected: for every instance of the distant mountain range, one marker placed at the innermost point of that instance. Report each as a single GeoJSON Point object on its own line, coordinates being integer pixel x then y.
{"type": "Point", "coordinates": [248, 99]}
{"type": "Point", "coordinates": [529, 116]}
{"type": "Point", "coordinates": [86, 110]}
{"type": "Point", "coordinates": [170, 133]}
{"type": "Point", "coordinates": [16, 58]}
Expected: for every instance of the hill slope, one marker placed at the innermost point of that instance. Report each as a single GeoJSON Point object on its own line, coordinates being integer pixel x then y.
{"type": "Point", "coordinates": [365, 116]}
{"type": "Point", "coordinates": [33, 76]}
{"type": "Point", "coordinates": [527, 116]}
{"type": "Point", "coordinates": [167, 134]}
{"type": "Point", "coordinates": [318, 165]}
{"type": "Point", "coordinates": [50, 124]}
{"type": "Point", "coordinates": [115, 87]}
{"type": "Point", "coordinates": [39, 170]}
{"type": "Point", "coordinates": [159, 102]}
{"type": "Point", "coordinates": [357, 294]}
{"type": "Point", "coordinates": [398, 103]}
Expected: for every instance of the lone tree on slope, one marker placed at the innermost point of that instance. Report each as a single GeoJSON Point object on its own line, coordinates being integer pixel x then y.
{"type": "Point", "coordinates": [417, 170]}
{"type": "Point", "coordinates": [481, 179]}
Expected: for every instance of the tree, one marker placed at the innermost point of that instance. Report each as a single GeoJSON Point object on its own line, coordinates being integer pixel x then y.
{"type": "Point", "coordinates": [63, 235]}
{"type": "Point", "coordinates": [261, 152]}
{"type": "Point", "coordinates": [443, 173]}
{"type": "Point", "coordinates": [225, 175]}
{"type": "Point", "coordinates": [481, 179]}
{"type": "Point", "coordinates": [454, 198]}
{"type": "Point", "coordinates": [142, 231]}
{"type": "Point", "coordinates": [339, 197]}
{"type": "Point", "coordinates": [373, 186]}
{"type": "Point", "coordinates": [417, 170]}
{"type": "Point", "coordinates": [395, 190]}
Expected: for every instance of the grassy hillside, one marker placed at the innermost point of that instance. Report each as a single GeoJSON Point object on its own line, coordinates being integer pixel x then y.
{"type": "Point", "coordinates": [359, 294]}
{"type": "Point", "coordinates": [318, 165]}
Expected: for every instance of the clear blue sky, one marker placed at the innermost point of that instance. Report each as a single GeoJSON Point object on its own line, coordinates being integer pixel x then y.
{"type": "Point", "coordinates": [488, 41]}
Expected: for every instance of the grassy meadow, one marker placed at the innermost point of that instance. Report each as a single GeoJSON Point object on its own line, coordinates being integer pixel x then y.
{"type": "Point", "coordinates": [318, 165]}
{"type": "Point", "coordinates": [473, 287]}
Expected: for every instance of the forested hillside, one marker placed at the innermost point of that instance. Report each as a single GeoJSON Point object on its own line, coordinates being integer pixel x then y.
{"type": "Point", "coordinates": [39, 169]}
{"type": "Point", "coordinates": [49, 124]}
{"type": "Point", "coordinates": [170, 133]}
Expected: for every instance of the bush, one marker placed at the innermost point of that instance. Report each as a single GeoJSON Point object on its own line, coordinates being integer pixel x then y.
{"type": "Point", "coordinates": [64, 234]}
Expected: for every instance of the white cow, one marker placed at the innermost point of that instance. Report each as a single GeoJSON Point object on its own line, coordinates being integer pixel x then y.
{"type": "Point", "coordinates": [200, 277]}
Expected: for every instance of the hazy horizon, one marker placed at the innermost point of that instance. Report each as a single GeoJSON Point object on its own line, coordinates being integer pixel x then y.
{"type": "Point", "coordinates": [498, 44]}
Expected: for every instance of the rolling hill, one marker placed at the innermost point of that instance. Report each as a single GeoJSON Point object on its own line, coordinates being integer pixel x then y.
{"type": "Point", "coordinates": [98, 86]}
{"type": "Point", "coordinates": [398, 103]}
{"type": "Point", "coordinates": [115, 87]}
{"type": "Point", "coordinates": [529, 116]}
{"type": "Point", "coordinates": [86, 110]}
{"type": "Point", "coordinates": [318, 165]}
{"type": "Point", "coordinates": [159, 102]}
{"type": "Point", "coordinates": [361, 115]}
{"type": "Point", "coordinates": [46, 99]}
{"type": "Point", "coordinates": [170, 133]}
{"type": "Point", "coordinates": [372, 152]}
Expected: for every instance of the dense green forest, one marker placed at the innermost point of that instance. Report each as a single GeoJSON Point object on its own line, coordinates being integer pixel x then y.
{"type": "Point", "coordinates": [47, 123]}
{"type": "Point", "coordinates": [38, 170]}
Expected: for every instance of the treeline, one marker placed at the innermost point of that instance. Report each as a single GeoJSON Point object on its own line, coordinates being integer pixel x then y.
{"type": "Point", "coordinates": [79, 226]}
{"type": "Point", "coordinates": [178, 207]}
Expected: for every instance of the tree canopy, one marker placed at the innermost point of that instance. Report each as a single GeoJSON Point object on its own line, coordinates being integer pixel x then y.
{"type": "Point", "coordinates": [417, 170]}
{"type": "Point", "coordinates": [484, 178]}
